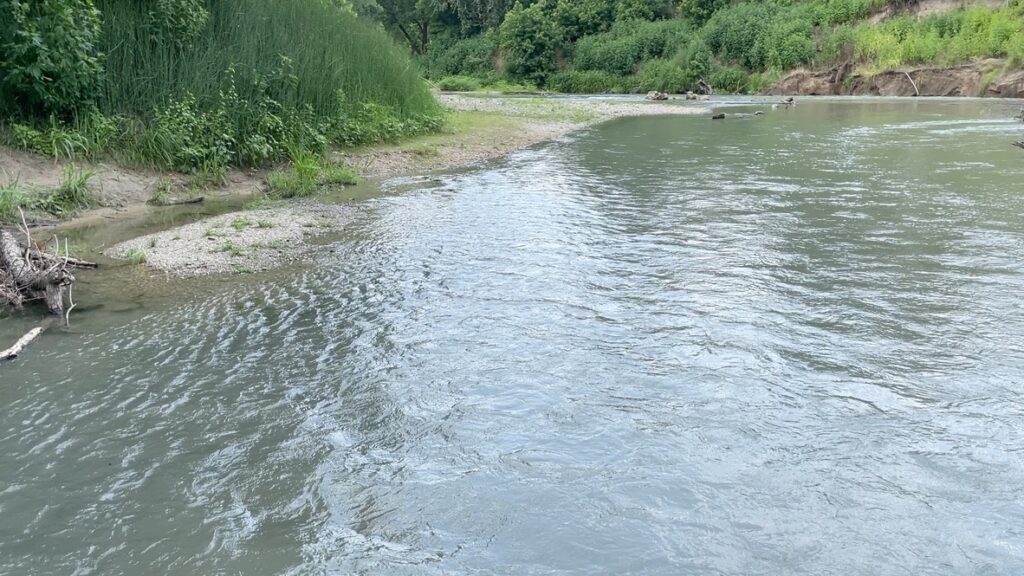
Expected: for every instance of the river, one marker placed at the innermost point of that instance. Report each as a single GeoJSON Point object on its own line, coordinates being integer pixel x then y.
{"type": "Point", "coordinates": [783, 344]}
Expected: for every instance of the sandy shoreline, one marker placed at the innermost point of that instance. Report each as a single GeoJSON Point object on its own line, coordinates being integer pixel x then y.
{"type": "Point", "coordinates": [267, 237]}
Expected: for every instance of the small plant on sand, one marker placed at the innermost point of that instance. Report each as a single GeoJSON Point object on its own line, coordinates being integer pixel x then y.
{"type": "Point", "coordinates": [152, 243]}
{"type": "Point", "coordinates": [72, 195]}
{"type": "Point", "coordinates": [12, 197]}
{"type": "Point", "coordinates": [161, 192]}
{"type": "Point", "coordinates": [241, 223]}
{"type": "Point", "coordinates": [232, 249]}
{"type": "Point", "coordinates": [257, 201]}
{"type": "Point", "coordinates": [337, 174]}
{"type": "Point", "coordinates": [264, 224]}
{"type": "Point", "coordinates": [135, 256]}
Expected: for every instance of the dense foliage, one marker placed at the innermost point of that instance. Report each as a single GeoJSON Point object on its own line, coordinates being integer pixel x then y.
{"type": "Point", "coordinates": [202, 84]}
{"type": "Point", "coordinates": [735, 45]}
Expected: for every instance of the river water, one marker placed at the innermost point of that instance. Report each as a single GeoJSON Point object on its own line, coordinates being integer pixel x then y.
{"type": "Point", "coordinates": [784, 344]}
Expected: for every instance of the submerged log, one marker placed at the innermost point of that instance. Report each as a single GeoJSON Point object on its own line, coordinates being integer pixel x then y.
{"type": "Point", "coordinates": [21, 344]}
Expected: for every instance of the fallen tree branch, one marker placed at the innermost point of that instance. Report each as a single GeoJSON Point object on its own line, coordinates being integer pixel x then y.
{"type": "Point", "coordinates": [912, 83]}
{"type": "Point", "coordinates": [21, 344]}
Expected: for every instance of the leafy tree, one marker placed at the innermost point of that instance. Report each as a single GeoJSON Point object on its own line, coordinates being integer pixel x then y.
{"type": "Point", "coordinates": [412, 19]}
{"type": "Point", "coordinates": [578, 18]}
{"type": "Point", "coordinates": [49, 62]}
{"type": "Point", "coordinates": [641, 9]}
{"type": "Point", "coordinates": [528, 39]}
{"type": "Point", "coordinates": [699, 11]}
{"type": "Point", "coordinates": [477, 15]}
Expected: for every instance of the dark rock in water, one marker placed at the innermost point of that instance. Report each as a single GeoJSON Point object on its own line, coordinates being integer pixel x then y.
{"type": "Point", "coordinates": [719, 116]}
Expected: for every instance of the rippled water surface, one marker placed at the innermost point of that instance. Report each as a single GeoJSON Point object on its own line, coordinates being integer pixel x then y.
{"type": "Point", "coordinates": [787, 344]}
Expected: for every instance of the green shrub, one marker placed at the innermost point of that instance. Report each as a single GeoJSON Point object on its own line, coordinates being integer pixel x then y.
{"type": "Point", "coordinates": [473, 56]}
{"type": "Point", "coordinates": [584, 82]}
{"type": "Point", "coordinates": [135, 256]}
{"type": "Point", "coordinates": [72, 195]}
{"type": "Point", "coordinates": [49, 59]}
{"type": "Point", "coordinates": [664, 76]}
{"type": "Point", "coordinates": [699, 11]}
{"type": "Point", "coordinates": [734, 33]}
{"type": "Point", "coordinates": [730, 80]}
{"type": "Point", "coordinates": [458, 84]}
{"type": "Point", "coordinates": [529, 38]}
{"type": "Point", "coordinates": [626, 10]}
{"type": "Point", "coordinates": [621, 50]}
{"type": "Point", "coordinates": [578, 18]}
{"type": "Point", "coordinates": [695, 60]}
{"type": "Point", "coordinates": [13, 198]}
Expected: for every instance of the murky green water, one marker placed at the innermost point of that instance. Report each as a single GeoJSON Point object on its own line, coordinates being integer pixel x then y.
{"type": "Point", "coordinates": [789, 344]}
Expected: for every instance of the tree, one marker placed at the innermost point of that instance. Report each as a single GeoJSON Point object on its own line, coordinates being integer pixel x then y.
{"type": "Point", "coordinates": [412, 19]}
{"type": "Point", "coordinates": [699, 11]}
{"type": "Point", "coordinates": [49, 62]}
{"type": "Point", "coordinates": [528, 39]}
{"type": "Point", "coordinates": [578, 18]}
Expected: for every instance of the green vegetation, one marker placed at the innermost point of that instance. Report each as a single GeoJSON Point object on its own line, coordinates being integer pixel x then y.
{"type": "Point", "coordinates": [200, 85]}
{"type": "Point", "coordinates": [307, 173]}
{"type": "Point", "coordinates": [597, 46]}
{"type": "Point", "coordinates": [135, 256]}
{"type": "Point", "coordinates": [73, 194]}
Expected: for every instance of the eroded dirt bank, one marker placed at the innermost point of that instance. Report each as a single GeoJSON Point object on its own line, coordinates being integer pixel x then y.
{"type": "Point", "coordinates": [984, 78]}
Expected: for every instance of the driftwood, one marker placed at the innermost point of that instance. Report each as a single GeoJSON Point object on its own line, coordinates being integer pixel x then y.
{"type": "Point", "coordinates": [28, 273]}
{"type": "Point", "coordinates": [21, 344]}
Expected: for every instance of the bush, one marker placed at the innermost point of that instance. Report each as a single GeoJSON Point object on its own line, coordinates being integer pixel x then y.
{"type": "Point", "coordinates": [695, 60]}
{"type": "Point", "coordinates": [528, 41]}
{"type": "Point", "coordinates": [474, 56]}
{"type": "Point", "coordinates": [621, 50]}
{"type": "Point", "coordinates": [626, 10]}
{"type": "Point", "coordinates": [584, 82]}
{"type": "Point", "coordinates": [578, 18]}
{"type": "Point", "coordinates": [734, 33]}
{"type": "Point", "coordinates": [458, 84]}
{"type": "Point", "coordinates": [699, 11]}
{"type": "Point", "coordinates": [49, 59]}
{"type": "Point", "coordinates": [664, 76]}
{"type": "Point", "coordinates": [730, 80]}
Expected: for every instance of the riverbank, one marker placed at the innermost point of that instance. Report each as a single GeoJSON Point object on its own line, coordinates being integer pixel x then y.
{"type": "Point", "coordinates": [989, 77]}
{"type": "Point", "coordinates": [480, 129]}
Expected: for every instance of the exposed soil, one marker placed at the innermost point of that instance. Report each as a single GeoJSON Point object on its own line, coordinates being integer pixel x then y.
{"type": "Point", "coordinates": [983, 78]}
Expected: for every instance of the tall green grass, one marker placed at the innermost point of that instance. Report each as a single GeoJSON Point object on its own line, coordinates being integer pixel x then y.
{"type": "Point", "coordinates": [198, 85]}
{"type": "Point", "coordinates": [301, 53]}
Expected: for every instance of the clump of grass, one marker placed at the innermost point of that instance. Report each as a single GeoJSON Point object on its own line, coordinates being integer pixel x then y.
{"type": "Point", "coordinates": [265, 224]}
{"type": "Point", "coordinates": [12, 198]}
{"type": "Point", "coordinates": [214, 232]}
{"type": "Point", "coordinates": [424, 150]}
{"type": "Point", "coordinates": [335, 174]}
{"type": "Point", "coordinates": [72, 195]}
{"type": "Point", "coordinates": [135, 256]}
{"type": "Point", "coordinates": [232, 249]}
{"type": "Point", "coordinates": [152, 242]}
{"type": "Point", "coordinates": [241, 223]}
{"type": "Point", "coordinates": [458, 84]}
{"type": "Point", "coordinates": [306, 174]}
{"type": "Point", "coordinates": [161, 192]}
{"type": "Point", "coordinates": [256, 202]}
